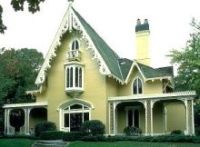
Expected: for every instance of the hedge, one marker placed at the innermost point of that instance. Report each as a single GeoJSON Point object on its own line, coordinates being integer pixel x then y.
{"type": "Point", "coordinates": [52, 135]}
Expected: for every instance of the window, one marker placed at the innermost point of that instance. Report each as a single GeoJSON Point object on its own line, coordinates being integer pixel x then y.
{"type": "Point", "coordinates": [74, 77]}
{"type": "Point", "coordinates": [75, 45]}
{"type": "Point", "coordinates": [132, 117]}
{"type": "Point", "coordinates": [137, 86]}
{"type": "Point", "coordinates": [74, 115]}
{"type": "Point", "coordinates": [74, 53]}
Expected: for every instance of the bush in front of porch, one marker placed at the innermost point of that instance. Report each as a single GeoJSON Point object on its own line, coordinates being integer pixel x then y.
{"type": "Point", "coordinates": [132, 131]}
{"type": "Point", "coordinates": [43, 127]}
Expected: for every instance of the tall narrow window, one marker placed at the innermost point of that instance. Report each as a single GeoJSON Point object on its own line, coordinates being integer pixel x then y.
{"type": "Point", "coordinates": [80, 77]}
{"type": "Point", "coordinates": [137, 86]}
{"type": "Point", "coordinates": [75, 45]}
{"type": "Point", "coordinates": [71, 77]}
{"type": "Point", "coordinates": [74, 77]}
{"type": "Point", "coordinates": [133, 117]}
{"type": "Point", "coordinates": [68, 78]}
{"type": "Point", "coordinates": [74, 53]}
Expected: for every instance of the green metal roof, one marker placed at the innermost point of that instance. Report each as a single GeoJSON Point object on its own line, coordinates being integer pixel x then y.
{"type": "Point", "coordinates": [120, 67]}
{"type": "Point", "coordinates": [125, 66]}
{"type": "Point", "coordinates": [150, 72]}
{"type": "Point", "coordinates": [109, 56]}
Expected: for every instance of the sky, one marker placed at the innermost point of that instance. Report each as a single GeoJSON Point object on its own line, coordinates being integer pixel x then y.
{"type": "Point", "coordinates": [113, 20]}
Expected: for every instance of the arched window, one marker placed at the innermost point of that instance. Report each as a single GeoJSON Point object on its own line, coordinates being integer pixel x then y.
{"type": "Point", "coordinates": [137, 86]}
{"type": "Point", "coordinates": [73, 116]}
{"type": "Point", "coordinates": [74, 51]}
{"type": "Point", "coordinates": [75, 45]}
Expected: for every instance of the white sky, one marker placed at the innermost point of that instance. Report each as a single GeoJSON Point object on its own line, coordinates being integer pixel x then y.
{"type": "Point", "coordinates": [114, 20]}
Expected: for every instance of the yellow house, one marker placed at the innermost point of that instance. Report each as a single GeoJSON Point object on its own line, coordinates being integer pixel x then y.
{"type": "Point", "coordinates": [82, 79]}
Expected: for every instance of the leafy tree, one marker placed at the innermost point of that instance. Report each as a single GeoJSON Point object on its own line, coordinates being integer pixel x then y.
{"type": "Point", "coordinates": [18, 71]}
{"type": "Point", "coordinates": [18, 5]}
{"type": "Point", "coordinates": [188, 61]}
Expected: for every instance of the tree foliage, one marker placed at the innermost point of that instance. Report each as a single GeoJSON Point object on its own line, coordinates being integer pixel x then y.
{"type": "Point", "coordinates": [18, 5]}
{"type": "Point", "coordinates": [188, 61]}
{"type": "Point", "coordinates": [18, 71]}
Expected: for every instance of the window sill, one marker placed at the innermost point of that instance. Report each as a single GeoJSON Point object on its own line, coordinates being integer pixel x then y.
{"type": "Point", "coordinates": [74, 92]}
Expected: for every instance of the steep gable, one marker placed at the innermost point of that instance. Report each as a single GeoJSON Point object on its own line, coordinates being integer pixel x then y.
{"type": "Point", "coordinates": [109, 63]}
{"type": "Point", "coordinates": [108, 55]}
{"type": "Point", "coordinates": [106, 58]}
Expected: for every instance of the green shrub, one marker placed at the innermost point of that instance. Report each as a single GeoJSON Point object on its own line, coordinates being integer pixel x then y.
{"type": "Point", "coordinates": [132, 131]}
{"type": "Point", "coordinates": [52, 135]}
{"type": "Point", "coordinates": [197, 130]}
{"type": "Point", "coordinates": [74, 136]}
{"type": "Point", "coordinates": [19, 137]}
{"type": "Point", "coordinates": [177, 132]}
{"type": "Point", "coordinates": [44, 126]}
{"type": "Point", "coordinates": [93, 127]}
{"type": "Point", "coordinates": [94, 138]}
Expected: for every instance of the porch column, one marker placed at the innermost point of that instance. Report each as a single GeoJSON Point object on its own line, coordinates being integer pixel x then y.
{"type": "Point", "coordinates": [7, 121]}
{"type": "Point", "coordinates": [112, 119]}
{"type": "Point", "coordinates": [26, 120]}
{"type": "Point", "coordinates": [189, 112]}
{"type": "Point", "coordinates": [148, 117]}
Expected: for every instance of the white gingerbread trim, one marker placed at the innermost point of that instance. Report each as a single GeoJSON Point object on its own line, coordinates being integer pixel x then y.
{"type": "Point", "coordinates": [145, 79]}
{"type": "Point", "coordinates": [70, 21]}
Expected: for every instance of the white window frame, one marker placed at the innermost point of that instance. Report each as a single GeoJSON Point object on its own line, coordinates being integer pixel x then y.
{"type": "Point", "coordinates": [132, 88]}
{"type": "Point", "coordinates": [133, 109]}
{"type": "Point", "coordinates": [73, 53]}
{"type": "Point", "coordinates": [74, 87]}
{"type": "Point", "coordinates": [72, 44]}
{"type": "Point", "coordinates": [73, 111]}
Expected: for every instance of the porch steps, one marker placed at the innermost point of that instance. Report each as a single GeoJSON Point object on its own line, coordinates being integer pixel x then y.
{"type": "Point", "coordinates": [49, 143]}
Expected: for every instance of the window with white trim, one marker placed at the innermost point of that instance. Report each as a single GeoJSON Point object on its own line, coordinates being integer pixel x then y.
{"type": "Point", "coordinates": [74, 115]}
{"type": "Point", "coordinates": [74, 77]}
{"type": "Point", "coordinates": [132, 117]}
{"type": "Point", "coordinates": [75, 45]}
{"type": "Point", "coordinates": [74, 52]}
{"type": "Point", "coordinates": [137, 86]}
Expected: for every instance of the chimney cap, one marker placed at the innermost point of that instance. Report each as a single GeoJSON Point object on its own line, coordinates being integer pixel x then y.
{"type": "Point", "coordinates": [142, 26]}
{"type": "Point", "coordinates": [138, 22]}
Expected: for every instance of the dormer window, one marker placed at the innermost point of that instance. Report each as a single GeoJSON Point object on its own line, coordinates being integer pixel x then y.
{"type": "Point", "coordinates": [137, 86]}
{"type": "Point", "coordinates": [74, 51]}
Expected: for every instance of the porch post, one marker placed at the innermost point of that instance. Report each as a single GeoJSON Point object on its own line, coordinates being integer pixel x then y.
{"type": "Point", "coordinates": [148, 117]}
{"type": "Point", "coordinates": [7, 121]}
{"type": "Point", "coordinates": [111, 109]}
{"type": "Point", "coordinates": [26, 120]}
{"type": "Point", "coordinates": [186, 116]}
{"type": "Point", "coordinates": [193, 128]}
{"type": "Point", "coordinates": [190, 117]}
{"type": "Point", "coordinates": [112, 118]}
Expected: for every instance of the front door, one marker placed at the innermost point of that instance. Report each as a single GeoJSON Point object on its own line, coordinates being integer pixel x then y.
{"type": "Point", "coordinates": [75, 121]}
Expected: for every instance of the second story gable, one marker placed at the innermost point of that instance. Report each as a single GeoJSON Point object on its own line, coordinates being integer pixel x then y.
{"type": "Point", "coordinates": [79, 57]}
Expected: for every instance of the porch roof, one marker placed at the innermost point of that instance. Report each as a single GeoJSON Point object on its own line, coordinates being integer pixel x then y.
{"type": "Point", "coordinates": [19, 105]}
{"type": "Point", "coordinates": [161, 96]}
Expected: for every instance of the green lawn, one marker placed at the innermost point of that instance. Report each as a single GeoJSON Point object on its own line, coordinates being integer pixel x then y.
{"type": "Point", "coordinates": [130, 144]}
{"type": "Point", "coordinates": [16, 142]}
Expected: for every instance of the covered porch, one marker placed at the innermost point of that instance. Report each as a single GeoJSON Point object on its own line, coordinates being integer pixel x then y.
{"type": "Point", "coordinates": [21, 118]}
{"type": "Point", "coordinates": [154, 114]}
